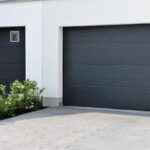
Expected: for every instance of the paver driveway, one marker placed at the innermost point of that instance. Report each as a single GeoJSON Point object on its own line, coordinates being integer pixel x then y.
{"type": "Point", "coordinates": [68, 128]}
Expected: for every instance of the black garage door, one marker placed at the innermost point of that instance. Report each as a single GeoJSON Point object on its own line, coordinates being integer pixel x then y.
{"type": "Point", "coordinates": [12, 55]}
{"type": "Point", "coordinates": [107, 66]}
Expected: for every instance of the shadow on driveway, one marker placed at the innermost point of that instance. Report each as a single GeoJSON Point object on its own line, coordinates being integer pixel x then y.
{"type": "Point", "coordinates": [68, 110]}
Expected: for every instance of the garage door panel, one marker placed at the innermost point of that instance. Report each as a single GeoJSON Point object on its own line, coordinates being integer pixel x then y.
{"type": "Point", "coordinates": [110, 97]}
{"type": "Point", "coordinates": [5, 36]}
{"type": "Point", "coordinates": [116, 75]}
{"type": "Point", "coordinates": [107, 66]}
{"type": "Point", "coordinates": [108, 53]}
{"type": "Point", "coordinates": [12, 54]}
{"type": "Point", "coordinates": [10, 44]}
{"type": "Point", "coordinates": [8, 81]}
{"type": "Point", "coordinates": [12, 71]}
{"type": "Point", "coordinates": [107, 34]}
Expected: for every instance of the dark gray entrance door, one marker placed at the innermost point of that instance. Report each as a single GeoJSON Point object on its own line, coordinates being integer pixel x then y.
{"type": "Point", "coordinates": [107, 66]}
{"type": "Point", "coordinates": [12, 54]}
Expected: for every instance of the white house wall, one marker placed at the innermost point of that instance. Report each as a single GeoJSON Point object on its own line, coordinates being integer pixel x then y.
{"type": "Point", "coordinates": [28, 14]}
{"type": "Point", "coordinates": [60, 13]}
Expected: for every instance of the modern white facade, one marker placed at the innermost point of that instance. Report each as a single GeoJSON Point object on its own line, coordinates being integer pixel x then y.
{"type": "Point", "coordinates": [28, 14]}
{"type": "Point", "coordinates": [44, 22]}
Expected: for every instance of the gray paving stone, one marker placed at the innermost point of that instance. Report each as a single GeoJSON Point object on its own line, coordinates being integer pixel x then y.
{"type": "Point", "coordinates": [70, 128]}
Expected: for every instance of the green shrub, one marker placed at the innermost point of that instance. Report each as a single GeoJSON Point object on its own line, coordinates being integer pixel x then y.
{"type": "Point", "coordinates": [6, 109]}
{"type": "Point", "coordinates": [23, 97]}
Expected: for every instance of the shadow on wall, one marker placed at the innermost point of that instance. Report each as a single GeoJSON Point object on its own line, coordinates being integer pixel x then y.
{"type": "Point", "coordinates": [66, 110]}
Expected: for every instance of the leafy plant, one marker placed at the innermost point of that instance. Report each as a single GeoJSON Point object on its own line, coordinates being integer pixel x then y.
{"type": "Point", "coordinates": [23, 97]}
{"type": "Point", "coordinates": [5, 105]}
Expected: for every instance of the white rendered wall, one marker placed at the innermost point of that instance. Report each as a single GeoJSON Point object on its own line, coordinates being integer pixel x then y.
{"type": "Point", "coordinates": [28, 14]}
{"type": "Point", "coordinates": [59, 13]}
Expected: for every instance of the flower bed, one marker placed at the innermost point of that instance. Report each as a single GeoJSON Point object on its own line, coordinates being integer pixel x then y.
{"type": "Point", "coordinates": [23, 97]}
